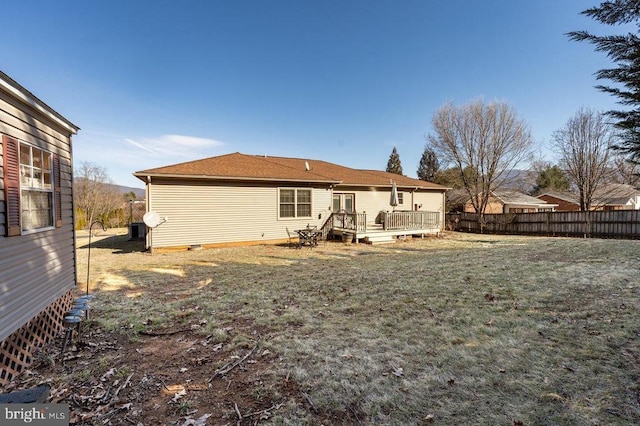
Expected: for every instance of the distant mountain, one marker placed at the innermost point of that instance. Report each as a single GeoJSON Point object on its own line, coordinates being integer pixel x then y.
{"type": "Point", "coordinates": [520, 180]}
{"type": "Point", "coordinates": [140, 193]}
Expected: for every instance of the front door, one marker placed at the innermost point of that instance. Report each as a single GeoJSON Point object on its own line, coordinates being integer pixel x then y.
{"type": "Point", "coordinates": [343, 202]}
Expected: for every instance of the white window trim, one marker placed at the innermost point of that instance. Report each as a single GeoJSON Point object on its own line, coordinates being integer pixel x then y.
{"type": "Point", "coordinates": [34, 189]}
{"type": "Point", "coordinates": [295, 217]}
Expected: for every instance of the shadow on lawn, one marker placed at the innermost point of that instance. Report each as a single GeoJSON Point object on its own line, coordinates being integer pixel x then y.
{"type": "Point", "coordinates": [120, 244]}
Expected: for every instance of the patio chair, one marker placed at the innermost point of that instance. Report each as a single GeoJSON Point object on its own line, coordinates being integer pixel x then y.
{"type": "Point", "coordinates": [292, 242]}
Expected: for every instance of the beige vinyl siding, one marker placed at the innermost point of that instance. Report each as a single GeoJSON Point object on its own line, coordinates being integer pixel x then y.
{"type": "Point", "coordinates": [201, 213]}
{"type": "Point", "coordinates": [432, 201]}
{"type": "Point", "coordinates": [372, 201]}
{"type": "Point", "coordinates": [36, 268]}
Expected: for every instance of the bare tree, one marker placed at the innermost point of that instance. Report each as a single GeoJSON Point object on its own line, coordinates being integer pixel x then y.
{"type": "Point", "coordinates": [484, 142]}
{"type": "Point", "coordinates": [94, 194]}
{"type": "Point", "coordinates": [583, 146]}
{"type": "Point", "coordinates": [625, 171]}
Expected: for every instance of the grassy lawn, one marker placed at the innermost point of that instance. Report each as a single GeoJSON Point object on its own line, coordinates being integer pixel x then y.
{"type": "Point", "coordinates": [464, 329]}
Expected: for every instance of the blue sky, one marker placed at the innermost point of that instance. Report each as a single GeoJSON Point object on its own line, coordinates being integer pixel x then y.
{"type": "Point", "coordinates": [152, 83]}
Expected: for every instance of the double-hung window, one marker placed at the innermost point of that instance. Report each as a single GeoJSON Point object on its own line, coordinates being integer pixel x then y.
{"type": "Point", "coordinates": [36, 188]}
{"type": "Point", "coordinates": [32, 188]}
{"type": "Point", "coordinates": [294, 203]}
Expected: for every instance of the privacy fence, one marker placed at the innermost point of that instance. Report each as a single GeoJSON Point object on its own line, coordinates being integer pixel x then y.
{"type": "Point", "coordinates": [599, 224]}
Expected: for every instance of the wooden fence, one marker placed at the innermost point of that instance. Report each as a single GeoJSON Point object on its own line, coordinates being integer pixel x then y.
{"type": "Point", "coordinates": [599, 224]}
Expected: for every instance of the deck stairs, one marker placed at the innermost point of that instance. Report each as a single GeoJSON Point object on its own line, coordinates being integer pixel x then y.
{"type": "Point", "coordinates": [378, 236]}
{"type": "Point", "coordinates": [380, 239]}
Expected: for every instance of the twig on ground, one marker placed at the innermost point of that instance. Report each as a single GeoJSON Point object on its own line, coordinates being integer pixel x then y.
{"type": "Point", "coordinates": [124, 385]}
{"type": "Point", "coordinates": [238, 413]}
{"type": "Point", "coordinates": [130, 421]}
{"type": "Point", "coordinates": [308, 398]}
{"type": "Point", "coordinates": [229, 367]}
{"type": "Point", "coordinates": [265, 411]}
{"type": "Point", "coordinates": [355, 415]}
{"type": "Point", "coordinates": [162, 333]}
{"type": "Point", "coordinates": [164, 384]}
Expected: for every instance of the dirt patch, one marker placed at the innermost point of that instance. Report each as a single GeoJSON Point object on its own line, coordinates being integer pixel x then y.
{"type": "Point", "coordinates": [165, 379]}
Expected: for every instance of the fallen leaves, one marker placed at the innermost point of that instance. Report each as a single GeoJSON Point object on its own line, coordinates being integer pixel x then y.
{"type": "Point", "coordinates": [177, 396]}
{"type": "Point", "coordinates": [201, 421]}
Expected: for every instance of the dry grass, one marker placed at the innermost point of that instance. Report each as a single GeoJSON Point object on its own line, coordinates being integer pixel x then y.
{"type": "Point", "coordinates": [465, 329]}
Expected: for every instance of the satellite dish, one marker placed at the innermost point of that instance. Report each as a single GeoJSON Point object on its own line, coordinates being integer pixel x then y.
{"type": "Point", "coordinates": [306, 166]}
{"type": "Point", "coordinates": [151, 219]}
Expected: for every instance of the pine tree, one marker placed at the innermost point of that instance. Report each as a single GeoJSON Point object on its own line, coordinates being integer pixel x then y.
{"type": "Point", "coordinates": [551, 178]}
{"type": "Point", "coordinates": [394, 165]}
{"type": "Point", "coordinates": [624, 51]}
{"type": "Point", "coordinates": [429, 165]}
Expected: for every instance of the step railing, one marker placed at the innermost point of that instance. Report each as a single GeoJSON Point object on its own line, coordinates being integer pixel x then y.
{"type": "Point", "coordinates": [356, 222]}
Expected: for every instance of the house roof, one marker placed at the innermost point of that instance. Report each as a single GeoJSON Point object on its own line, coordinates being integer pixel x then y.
{"type": "Point", "coordinates": [614, 194]}
{"type": "Point", "coordinates": [515, 197]}
{"type": "Point", "coordinates": [18, 92]}
{"type": "Point", "coordinates": [611, 194]}
{"type": "Point", "coordinates": [459, 197]}
{"type": "Point", "coordinates": [237, 166]}
{"type": "Point", "coordinates": [564, 196]}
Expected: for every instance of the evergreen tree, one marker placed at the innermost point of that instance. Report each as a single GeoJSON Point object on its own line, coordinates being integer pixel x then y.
{"type": "Point", "coordinates": [452, 177]}
{"type": "Point", "coordinates": [394, 165]}
{"type": "Point", "coordinates": [551, 178]}
{"type": "Point", "coordinates": [429, 165]}
{"type": "Point", "coordinates": [624, 51]}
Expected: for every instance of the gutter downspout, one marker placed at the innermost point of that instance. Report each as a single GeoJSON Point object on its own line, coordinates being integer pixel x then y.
{"type": "Point", "coordinates": [148, 239]}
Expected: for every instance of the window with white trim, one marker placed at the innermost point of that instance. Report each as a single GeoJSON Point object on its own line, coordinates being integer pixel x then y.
{"type": "Point", "coordinates": [32, 188]}
{"type": "Point", "coordinates": [400, 198]}
{"type": "Point", "coordinates": [36, 188]}
{"type": "Point", "coordinates": [294, 202]}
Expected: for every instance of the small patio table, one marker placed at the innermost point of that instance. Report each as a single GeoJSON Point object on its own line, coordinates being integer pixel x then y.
{"type": "Point", "coordinates": [309, 236]}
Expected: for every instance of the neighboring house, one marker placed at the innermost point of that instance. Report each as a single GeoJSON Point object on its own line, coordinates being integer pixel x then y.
{"type": "Point", "coordinates": [566, 201]}
{"type": "Point", "coordinates": [37, 250]}
{"type": "Point", "coordinates": [612, 196]}
{"type": "Point", "coordinates": [456, 200]}
{"type": "Point", "coordinates": [616, 196]}
{"type": "Point", "coordinates": [512, 202]}
{"type": "Point", "coordinates": [248, 199]}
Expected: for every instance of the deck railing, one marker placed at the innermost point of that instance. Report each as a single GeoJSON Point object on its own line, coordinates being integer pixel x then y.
{"type": "Point", "coordinates": [350, 221]}
{"type": "Point", "coordinates": [407, 220]}
{"type": "Point", "coordinates": [391, 221]}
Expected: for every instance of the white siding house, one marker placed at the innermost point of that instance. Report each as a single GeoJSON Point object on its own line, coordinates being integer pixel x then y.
{"type": "Point", "coordinates": [244, 199]}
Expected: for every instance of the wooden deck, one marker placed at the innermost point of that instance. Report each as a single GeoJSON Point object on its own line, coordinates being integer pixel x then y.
{"type": "Point", "coordinates": [355, 227]}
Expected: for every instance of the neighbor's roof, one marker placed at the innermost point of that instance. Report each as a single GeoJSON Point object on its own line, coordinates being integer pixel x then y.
{"type": "Point", "coordinates": [505, 196]}
{"type": "Point", "coordinates": [239, 166]}
{"type": "Point", "coordinates": [611, 194]}
{"type": "Point", "coordinates": [614, 194]}
{"type": "Point", "coordinates": [564, 196]}
{"type": "Point", "coordinates": [516, 197]}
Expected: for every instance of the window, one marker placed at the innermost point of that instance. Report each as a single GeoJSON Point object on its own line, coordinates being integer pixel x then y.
{"type": "Point", "coordinates": [400, 198]}
{"type": "Point", "coordinates": [36, 188]}
{"type": "Point", "coordinates": [32, 188]}
{"type": "Point", "coordinates": [343, 202]}
{"type": "Point", "coordinates": [295, 203]}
